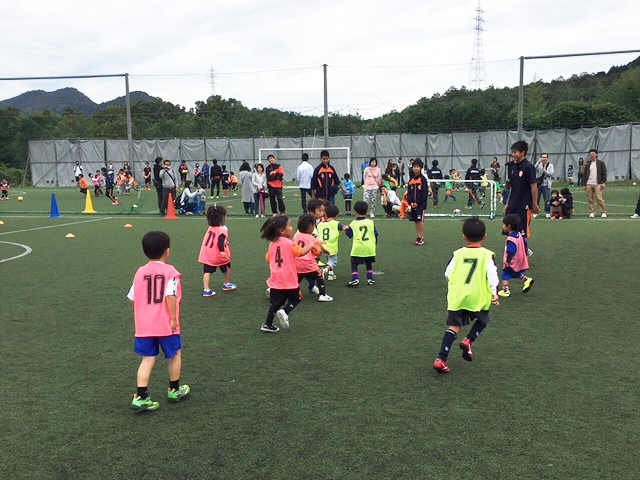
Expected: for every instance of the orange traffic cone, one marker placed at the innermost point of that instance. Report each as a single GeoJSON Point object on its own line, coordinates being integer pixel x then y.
{"type": "Point", "coordinates": [171, 211]}
{"type": "Point", "coordinates": [88, 205]}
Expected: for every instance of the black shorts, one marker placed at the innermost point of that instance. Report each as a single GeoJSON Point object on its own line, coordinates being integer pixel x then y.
{"type": "Point", "coordinates": [362, 260]}
{"type": "Point", "coordinates": [417, 214]}
{"type": "Point", "coordinates": [460, 318]}
{"type": "Point", "coordinates": [210, 268]}
{"type": "Point", "coordinates": [309, 276]}
{"type": "Point", "coordinates": [525, 219]}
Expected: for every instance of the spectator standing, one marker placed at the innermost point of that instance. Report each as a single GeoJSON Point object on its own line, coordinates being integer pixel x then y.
{"type": "Point", "coordinates": [434, 174]}
{"type": "Point", "coordinates": [183, 170]}
{"type": "Point", "coordinates": [157, 181]}
{"type": "Point", "coordinates": [169, 185]}
{"type": "Point", "coordinates": [495, 169]}
{"type": "Point", "coordinates": [77, 171]}
{"type": "Point", "coordinates": [544, 171]}
{"type": "Point", "coordinates": [363, 165]}
{"type": "Point", "coordinates": [401, 169]}
{"type": "Point", "coordinates": [372, 180]}
{"type": "Point", "coordinates": [247, 189]}
{"type": "Point", "coordinates": [216, 178]}
{"type": "Point", "coordinates": [595, 179]}
{"type": "Point", "coordinates": [510, 165]}
{"type": "Point", "coordinates": [581, 172]}
{"type": "Point", "coordinates": [259, 183]}
{"type": "Point", "coordinates": [205, 174]}
{"type": "Point", "coordinates": [304, 175]}
{"type": "Point", "coordinates": [275, 174]}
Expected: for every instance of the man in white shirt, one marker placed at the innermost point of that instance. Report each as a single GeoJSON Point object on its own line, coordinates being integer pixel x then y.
{"type": "Point", "coordinates": [77, 171]}
{"type": "Point", "coordinates": [304, 174]}
{"type": "Point", "coordinates": [544, 171]}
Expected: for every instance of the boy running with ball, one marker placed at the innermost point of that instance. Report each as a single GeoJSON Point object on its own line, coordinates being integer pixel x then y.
{"type": "Point", "coordinates": [473, 279]}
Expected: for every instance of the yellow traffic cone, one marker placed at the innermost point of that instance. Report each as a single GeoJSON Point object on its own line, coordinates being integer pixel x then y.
{"type": "Point", "coordinates": [88, 206]}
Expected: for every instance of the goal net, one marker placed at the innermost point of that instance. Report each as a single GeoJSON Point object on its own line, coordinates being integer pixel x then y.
{"type": "Point", "coordinates": [291, 157]}
{"type": "Point", "coordinates": [466, 198]}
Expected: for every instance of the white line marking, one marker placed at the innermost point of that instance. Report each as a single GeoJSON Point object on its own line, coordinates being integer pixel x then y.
{"type": "Point", "coordinates": [27, 251]}
{"type": "Point", "coordinates": [57, 225]}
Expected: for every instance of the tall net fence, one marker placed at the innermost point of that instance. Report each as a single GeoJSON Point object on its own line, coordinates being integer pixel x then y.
{"type": "Point", "coordinates": [52, 161]}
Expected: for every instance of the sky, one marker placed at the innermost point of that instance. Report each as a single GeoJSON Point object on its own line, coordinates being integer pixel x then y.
{"type": "Point", "coordinates": [380, 55]}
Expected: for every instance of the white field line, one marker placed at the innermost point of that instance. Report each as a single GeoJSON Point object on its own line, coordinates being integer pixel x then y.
{"type": "Point", "coordinates": [27, 251]}
{"type": "Point", "coordinates": [56, 226]}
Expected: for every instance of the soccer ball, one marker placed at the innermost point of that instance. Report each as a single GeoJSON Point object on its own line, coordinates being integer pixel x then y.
{"type": "Point", "coordinates": [20, 199]}
{"type": "Point", "coordinates": [634, 184]}
{"type": "Point", "coordinates": [456, 212]}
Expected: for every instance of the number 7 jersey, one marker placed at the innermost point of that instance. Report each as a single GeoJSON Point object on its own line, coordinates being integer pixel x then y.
{"type": "Point", "coordinates": [473, 279]}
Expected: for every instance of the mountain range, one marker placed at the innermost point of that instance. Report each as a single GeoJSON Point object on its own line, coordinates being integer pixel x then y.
{"type": "Point", "coordinates": [61, 100]}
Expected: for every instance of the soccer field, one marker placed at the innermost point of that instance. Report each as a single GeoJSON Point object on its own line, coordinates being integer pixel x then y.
{"type": "Point", "coordinates": [347, 392]}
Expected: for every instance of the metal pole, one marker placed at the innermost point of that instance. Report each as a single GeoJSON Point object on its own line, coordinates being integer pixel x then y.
{"type": "Point", "coordinates": [128, 107]}
{"type": "Point", "coordinates": [521, 91]}
{"type": "Point", "coordinates": [326, 108]}
{"type": "Point", "coordinates": [521, 99]}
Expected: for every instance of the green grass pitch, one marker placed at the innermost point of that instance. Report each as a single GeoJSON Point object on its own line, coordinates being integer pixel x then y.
{"type": "Point", "coordinates": [348, 391]}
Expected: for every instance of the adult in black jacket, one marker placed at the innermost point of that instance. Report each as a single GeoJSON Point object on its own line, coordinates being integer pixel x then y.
{"type": "Point", "coordinates": [157, 182]}
{"type": "Point", "coordinates": [325, 181]}
{"type": "Point", "coordinates": [216, 177]}
{"type": "Point", "coordinates": [473, 173]}
{"type": "Point", "coordinates": [435, 174]}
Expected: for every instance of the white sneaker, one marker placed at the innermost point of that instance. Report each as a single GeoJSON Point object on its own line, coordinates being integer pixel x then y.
{"type": "Point", "coordinates": [331, 276]}
{"type": "Point", "coordinates": [315, 290]}
{"type": "Point", "coordinates": [535, 215]}
{"type": "Point", "coordinates": [257, 216]}
{"type": "Point", "coordinates": [548, 215]}
{"type": "Point", "coordinates": [371, 215]}
{"type": "Point", "coordinates": [283, 318]}
{"type": "Point", "coordinates": [592, 215]}
{"type": "Point", "coordinates": [635, 215]}
{"type": "Point", "coordinates": [604, 215]}
{"type": "Point", "coordinates": [325, 298]}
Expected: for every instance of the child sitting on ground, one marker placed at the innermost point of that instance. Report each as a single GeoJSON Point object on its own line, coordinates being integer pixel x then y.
{"type": "Point", "coordinates": [567, 202]}
{"type": "Point", "coordinates": [555, 203]}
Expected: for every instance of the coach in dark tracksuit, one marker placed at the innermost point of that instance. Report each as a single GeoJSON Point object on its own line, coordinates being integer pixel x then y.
{"type": "Point", "coordinates": [325, 181]}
